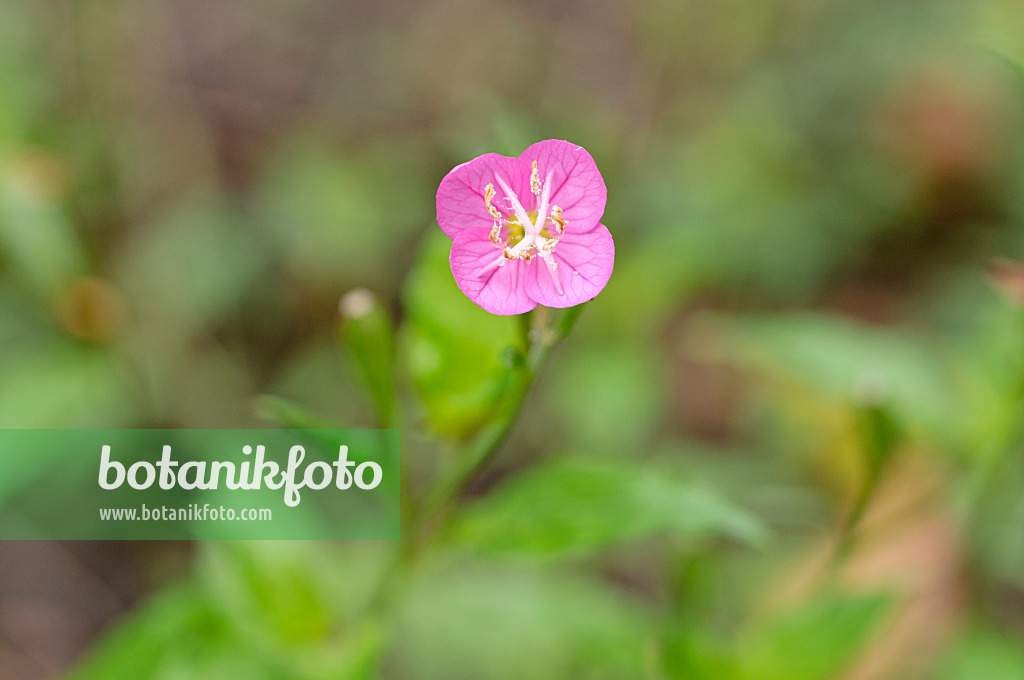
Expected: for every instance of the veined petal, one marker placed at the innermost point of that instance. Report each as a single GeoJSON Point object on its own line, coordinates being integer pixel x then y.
{"type": "Point", "coordinates": [460, 198]}
{"type": "Point", "coordinates": [584, 264]}
{"type": "Point", "coordinates": [577, 186]}
{"type": "Point", "coordinates": [499, 289]}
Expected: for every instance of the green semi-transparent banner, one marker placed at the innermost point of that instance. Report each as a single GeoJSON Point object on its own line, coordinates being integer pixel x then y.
{"type": "Point", "coordinates": [199, 484]}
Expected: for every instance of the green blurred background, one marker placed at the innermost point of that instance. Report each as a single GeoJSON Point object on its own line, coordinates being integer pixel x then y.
{"type": "Point", "coordinates": [785, 443]}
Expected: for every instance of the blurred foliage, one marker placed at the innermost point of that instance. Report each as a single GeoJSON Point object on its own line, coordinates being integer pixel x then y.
{"type": "Point", "coordinates": [574, 506]}
{"type": "Point", "coordinates": [454, 350]}
{"type": "Point", "coordinates": [787, 441]}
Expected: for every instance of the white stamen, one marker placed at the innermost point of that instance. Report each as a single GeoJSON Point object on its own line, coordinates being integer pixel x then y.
{"type": "Point", "coordinates": [524, 245]}
{"type": "Point", "coordinates": [531, 243]}
{"type": "Point", "coordinates": [542, 213]}
{"type": "Point", "coordinates": [549, 260]}
{"type": "Point", "coordinates": [520, 211]}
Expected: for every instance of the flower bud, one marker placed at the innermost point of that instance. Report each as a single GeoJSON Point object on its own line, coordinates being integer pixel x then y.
{"type": "Point", "coordinates": [367, 337]}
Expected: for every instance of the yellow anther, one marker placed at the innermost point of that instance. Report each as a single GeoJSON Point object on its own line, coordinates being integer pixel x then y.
{"type": "Point", "coordinates": [496, 233]}
{"type": "Point", "coordinates": [488, 195]}
{"type": "Point", "coordinates": [509, 255]}
{"type": "Point", "coordinates": [556, 217]}
{"type": "Point", "coordinates": [535, 180]}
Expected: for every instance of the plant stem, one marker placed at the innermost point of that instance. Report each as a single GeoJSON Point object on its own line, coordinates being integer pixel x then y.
{"type": "Point", "coordinates": [431, 515]}
{"type": "Point", "coordinates": [477, 453]}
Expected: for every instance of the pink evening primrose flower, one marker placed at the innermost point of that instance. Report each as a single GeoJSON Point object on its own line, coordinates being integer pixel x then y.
{"type": "Point", "coordinates": [526, 231]}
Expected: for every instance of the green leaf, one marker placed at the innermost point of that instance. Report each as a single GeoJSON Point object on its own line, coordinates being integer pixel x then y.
{"type": "Point", "coordinates": [62, 384]}
{"type": "Point", "coordinates": [35, 235]}
{"type": "Point", "coordinates": [287, 596]}
{"type": "Point", "coordinates": [274, 610]}
{"type": "Point", "coordinates": [848, 363]}
{"type": "Point", "coordinates": [452, 347]}
{"type": "Point", "coordinates": [813, 642]}
{"type": "Point", "coordinates": [471, 622]}
{"type": "Point", "coordinates": [1007, 49]}
{"type": "Point", "coordinates": [984, 654]}
{"type": "Point", "coordinates": [268, 593]}
{"type": "Point", "coordinates": [175, 618]}
{"type": "Point", "coordinates": [695, 653]}
{"type": "Point", "coordinates": [572, 507]}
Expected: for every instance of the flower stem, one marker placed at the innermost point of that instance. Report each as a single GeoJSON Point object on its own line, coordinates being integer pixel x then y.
{"type": "Point", "coordinates": [541, 339]}
{"type": "Point", "coordinates": [542, 331]}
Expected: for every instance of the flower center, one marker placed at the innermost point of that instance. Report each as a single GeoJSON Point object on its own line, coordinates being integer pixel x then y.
{"type": "Point", "coordinates": [526, 234]}
{"type": "Point", "coordinates": [514, 231]}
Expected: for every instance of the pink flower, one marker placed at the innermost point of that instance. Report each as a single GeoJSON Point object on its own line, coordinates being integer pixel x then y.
{"type": "Point", "coordinates": [526, 231]}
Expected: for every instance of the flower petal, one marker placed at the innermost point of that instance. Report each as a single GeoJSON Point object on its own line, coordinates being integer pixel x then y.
{"type": "Point", "coordinates": [578, 188]}
{"type": "Point", "coordinates": [498, 289]}
{"type": "Point", "coordinates": [584, 265]}
{"type": "Point", "coordinates": [460, 198]}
